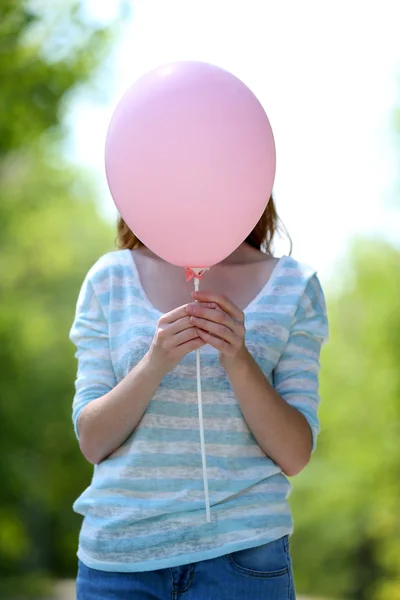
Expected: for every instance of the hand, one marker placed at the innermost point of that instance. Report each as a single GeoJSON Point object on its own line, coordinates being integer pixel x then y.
{"type": "Point", "coordinates": [221, 327]}
{"type": "Point", "coordinates": [175, 337]}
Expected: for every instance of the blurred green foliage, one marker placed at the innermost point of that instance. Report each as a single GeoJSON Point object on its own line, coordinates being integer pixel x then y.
{"type": "Point", "coordinates": [347, 520]}
{"type": "Point", "coordinates": [49, 235]}
{"type": "Point", "coordinates": [347, 525]}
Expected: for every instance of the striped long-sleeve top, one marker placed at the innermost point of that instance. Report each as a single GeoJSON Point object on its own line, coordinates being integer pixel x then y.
{"type": "Point", "coordinates": [144, 508]}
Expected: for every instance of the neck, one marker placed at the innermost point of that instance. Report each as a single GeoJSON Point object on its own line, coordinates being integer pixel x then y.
{"type": "Point", "coordinates": [243, 253]}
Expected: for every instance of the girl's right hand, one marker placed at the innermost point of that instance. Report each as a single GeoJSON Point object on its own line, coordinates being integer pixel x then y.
{"type": "Point", "coordinates": [175, 337]}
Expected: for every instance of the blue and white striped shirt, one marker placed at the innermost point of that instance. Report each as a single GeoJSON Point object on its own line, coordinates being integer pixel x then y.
{"type": "Point", "coordinates": [144, 508]}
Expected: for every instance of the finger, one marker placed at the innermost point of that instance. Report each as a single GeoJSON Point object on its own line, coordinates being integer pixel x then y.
{"type": "Point", "coordinates": [215, 329]}
{"type": "Point", "coordinates": [219, 344]}
{"type": "Point", "coordinates": [184, 323]}
{"type": "Point", "coordinates": [216, 316]}
{"type": "Point", "coordinates": [178, 313]}
{"type": "Point", "coordinates": [179, 325]}
{"type": "Point", "coordinates": [184, 336]}
{"type": "Point", "coordinates": [192, 345]}
{"type": "Point", "coordinates": [198, 309]}
{"type": "Point", "coordinates": [223, 302]}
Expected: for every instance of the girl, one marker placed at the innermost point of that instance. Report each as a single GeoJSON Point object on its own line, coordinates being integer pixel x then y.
{"type": "Point", "coordinates": [260, 323]}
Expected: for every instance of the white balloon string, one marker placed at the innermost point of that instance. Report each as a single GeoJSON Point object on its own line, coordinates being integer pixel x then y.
{"type": "Point", "coordinates": [201, 422]}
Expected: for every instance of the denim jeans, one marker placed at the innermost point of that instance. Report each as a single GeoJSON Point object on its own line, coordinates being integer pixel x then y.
{"type": "Point", "coordinates": [263, 572]}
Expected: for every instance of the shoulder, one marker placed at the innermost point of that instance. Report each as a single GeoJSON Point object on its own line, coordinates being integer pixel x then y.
{"type": "Point", "coordinates": [304, 286]}
{"type": "Point", "coordinates": [310, 297]}
{"type": "Point", "coordinates": [301, 276]}
{"type": "Point", "coordinates": [109, 265]}
{"type": "Point", "coordinates": [109, 279]}
{"type": "Point", "coordinates": [298, 270]}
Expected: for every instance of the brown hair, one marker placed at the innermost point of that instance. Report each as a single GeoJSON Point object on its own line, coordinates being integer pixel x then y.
{"type": "Point", "coordinates": [261, 237]}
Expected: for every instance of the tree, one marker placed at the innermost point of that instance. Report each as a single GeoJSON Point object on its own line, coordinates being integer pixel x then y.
{"type": "Point", "coordinates": [347, 539]}
{"type": "Point", "coordinates": [50, 234]}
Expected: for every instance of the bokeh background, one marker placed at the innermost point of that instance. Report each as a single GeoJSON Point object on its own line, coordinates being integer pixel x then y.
{"type": "Point", "coordinates": [328, 76]}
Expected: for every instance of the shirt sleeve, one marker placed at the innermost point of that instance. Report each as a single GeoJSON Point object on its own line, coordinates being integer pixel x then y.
{"type": "Point", "coordinates": [95, 375]}
{"type": "Point", "coordinates": [296, 375]}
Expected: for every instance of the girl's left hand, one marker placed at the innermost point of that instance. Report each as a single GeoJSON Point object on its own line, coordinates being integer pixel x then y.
{"type": "Point", "coordinates": [221, 327]}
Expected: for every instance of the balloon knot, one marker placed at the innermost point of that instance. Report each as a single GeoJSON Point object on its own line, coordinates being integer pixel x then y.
{"type": "Point", "coordinates": [194, 273]}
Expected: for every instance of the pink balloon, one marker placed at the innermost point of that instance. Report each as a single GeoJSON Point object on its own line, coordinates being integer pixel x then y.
{"type": "Point", "coordinates": [190, 162]}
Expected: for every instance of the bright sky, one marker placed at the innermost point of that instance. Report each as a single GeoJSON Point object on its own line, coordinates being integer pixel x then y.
{"type": "Point", "coordinates": [328, 76]}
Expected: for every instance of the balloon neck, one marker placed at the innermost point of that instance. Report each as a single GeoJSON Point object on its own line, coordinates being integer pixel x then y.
{"type": "Point", "coordinates": [195, 273]}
